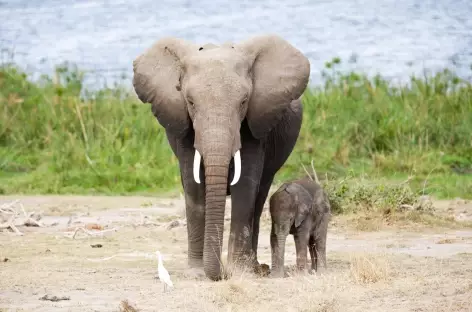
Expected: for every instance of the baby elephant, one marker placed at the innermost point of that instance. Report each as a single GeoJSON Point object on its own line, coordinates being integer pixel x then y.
{"type": "Point", "coordinates": [300, 208]}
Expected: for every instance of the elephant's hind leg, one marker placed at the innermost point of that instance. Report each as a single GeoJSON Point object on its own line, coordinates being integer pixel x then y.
{"type": "Point", "coordinates": [259, 207]}
{"type": "Point", "coordinates": [243, 200]}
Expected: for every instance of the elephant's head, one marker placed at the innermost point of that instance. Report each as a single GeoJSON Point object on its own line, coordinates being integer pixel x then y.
{"type": "Point", "coordinates": [213, 89]}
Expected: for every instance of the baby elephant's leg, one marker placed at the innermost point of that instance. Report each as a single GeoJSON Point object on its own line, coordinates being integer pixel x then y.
{"type": "Point", "coordinates": [313, 254]}
{"type": "Point", "coordinates": [301, 244]}
{"type": "Point", "coordinates": [277, 244]}
{"type": "Point", "coordinates": [320, 241]}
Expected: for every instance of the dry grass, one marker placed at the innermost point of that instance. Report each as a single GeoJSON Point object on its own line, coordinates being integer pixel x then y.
{"type": "Point", "coordinates": [372, 221]}
{"type": "Point", "coordinates": [125, 306]}
{"type": "Point", "coordinates": [366, 269]}
{"type": "Point", "coordinates": [446, 241]}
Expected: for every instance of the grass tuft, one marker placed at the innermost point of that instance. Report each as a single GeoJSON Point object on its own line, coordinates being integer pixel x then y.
{"type": "Point", "coordinates": [367, 269]}
{"type": "Point", "coordinates": [125, 306]}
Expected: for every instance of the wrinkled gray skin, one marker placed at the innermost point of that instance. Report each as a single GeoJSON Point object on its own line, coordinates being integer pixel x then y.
{"type": "Point", "coordinates": [218, 100]}
{"type": "Point", "coordinates": [300, 208]}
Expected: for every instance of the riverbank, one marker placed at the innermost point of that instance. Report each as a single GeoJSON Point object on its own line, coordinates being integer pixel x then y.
{"type": "Point", "coordinates": [56, 138]}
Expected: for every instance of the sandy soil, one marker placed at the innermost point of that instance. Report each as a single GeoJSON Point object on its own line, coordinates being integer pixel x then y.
{"type": "Point", "coordinates": [408, 268]}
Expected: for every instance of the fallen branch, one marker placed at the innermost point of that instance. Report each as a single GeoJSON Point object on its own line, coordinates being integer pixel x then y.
{"type": "Point", "coordinates": [13, 221]}
{"type": "Point", "coordinates": [10, 225]}
{"type": "Point", "coordinates": [9, 205]}
{"type": "Point", "coordinates": [132, 255]}
{"type": "Point", "coordinates": [90, 233]}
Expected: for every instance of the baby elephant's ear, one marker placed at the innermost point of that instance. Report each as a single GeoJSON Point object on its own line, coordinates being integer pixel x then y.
{"type": "Point", "coordinates": [303, 210]}
{"type": "Point", "coordinates": [302, 200]}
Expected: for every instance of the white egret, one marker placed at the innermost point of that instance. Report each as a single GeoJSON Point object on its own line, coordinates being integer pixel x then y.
{"type": "Point", "coordinates": [163, 275]}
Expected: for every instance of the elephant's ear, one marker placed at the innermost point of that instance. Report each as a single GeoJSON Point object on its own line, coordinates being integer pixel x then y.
{"type": "Point", "coordinates": [156, 81]}
{"type": "Point", "coordinates": [280, 74]}
{"type": "Point", "coordinates": [303, 210]}
{"type": "Point", "coordinates": [302, 200]}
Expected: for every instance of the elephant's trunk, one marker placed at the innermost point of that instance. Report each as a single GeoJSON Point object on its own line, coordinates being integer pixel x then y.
{"type": "Point", "coordinates": [217, 144]}
{"type": "Point", "coordinates": [216, 177]}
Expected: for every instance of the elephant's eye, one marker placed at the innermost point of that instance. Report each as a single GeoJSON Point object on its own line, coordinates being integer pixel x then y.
{"type": "Point", "coordinates": [244, 101]}
{"type": "Point", "coordinates": [189, 100]}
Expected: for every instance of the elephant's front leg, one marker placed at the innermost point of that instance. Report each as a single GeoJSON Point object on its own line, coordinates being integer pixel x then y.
{"type": "Point", "coordinates": [278, 236]}
{"type": "Point", "coordinates": [243, 198]}
{"type": "Point", "coordinates": [195, 213]}
{"type": "Point", "coordinates": [194, 201]}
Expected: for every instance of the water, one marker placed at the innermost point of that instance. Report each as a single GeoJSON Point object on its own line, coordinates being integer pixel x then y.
{"type": "Point", "coordinates": [393, 37]}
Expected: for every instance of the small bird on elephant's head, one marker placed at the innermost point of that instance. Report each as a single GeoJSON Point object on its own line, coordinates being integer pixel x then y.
{"type": "Point", "coordinates": [163, 275]}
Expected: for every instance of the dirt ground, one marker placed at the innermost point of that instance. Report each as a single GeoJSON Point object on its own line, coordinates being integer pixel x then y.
{"type": "Point", "coordinates": [395, 268]}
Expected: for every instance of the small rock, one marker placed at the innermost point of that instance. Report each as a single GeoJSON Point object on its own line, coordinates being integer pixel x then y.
{"type": "Point", "coordinates": [93, 226]}
{"type": "Point", "coordinates": [96, 245]}
{"type": "Point", "coordinates": [53, 298]}
{"type": "Point", "coordinates": [5, 260]}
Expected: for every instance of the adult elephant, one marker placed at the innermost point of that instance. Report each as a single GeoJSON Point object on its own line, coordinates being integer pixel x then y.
{"type": "Point", "coordinates": [237, 107]}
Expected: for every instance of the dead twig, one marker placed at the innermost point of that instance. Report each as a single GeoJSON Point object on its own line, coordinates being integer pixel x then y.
{"type": "Point", "coordinates": [309, 175]}
{"type": "Point", "coordinates": [315, 176]}
{"type": "Point", "coordinates": [134, 254]}
{"type": "Point", "coordinates": [314, 172]}
{"type": "Point", "coordinates": [90, 233]}
{"type": "Point", "coordinates": [9, 205]}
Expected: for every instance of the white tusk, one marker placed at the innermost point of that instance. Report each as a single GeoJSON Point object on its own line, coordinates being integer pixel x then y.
{"type": "Point", "coordinates": [237, 168]}
{"type": "Point", "coordinates": [196, 166]}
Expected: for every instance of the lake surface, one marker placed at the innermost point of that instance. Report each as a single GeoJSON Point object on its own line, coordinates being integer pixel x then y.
{"type": "Point", "coordinates": [393, 37]}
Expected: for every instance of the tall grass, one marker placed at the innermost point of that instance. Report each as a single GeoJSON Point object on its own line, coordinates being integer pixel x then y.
{"type": "Point", "coordinates": [56, 137]}
{"type": "Point", "coordinates": [55, 140]}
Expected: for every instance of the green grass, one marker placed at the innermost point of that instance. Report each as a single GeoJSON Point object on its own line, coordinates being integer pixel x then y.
{"type": "Point", "coordinates": [56, 137]}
